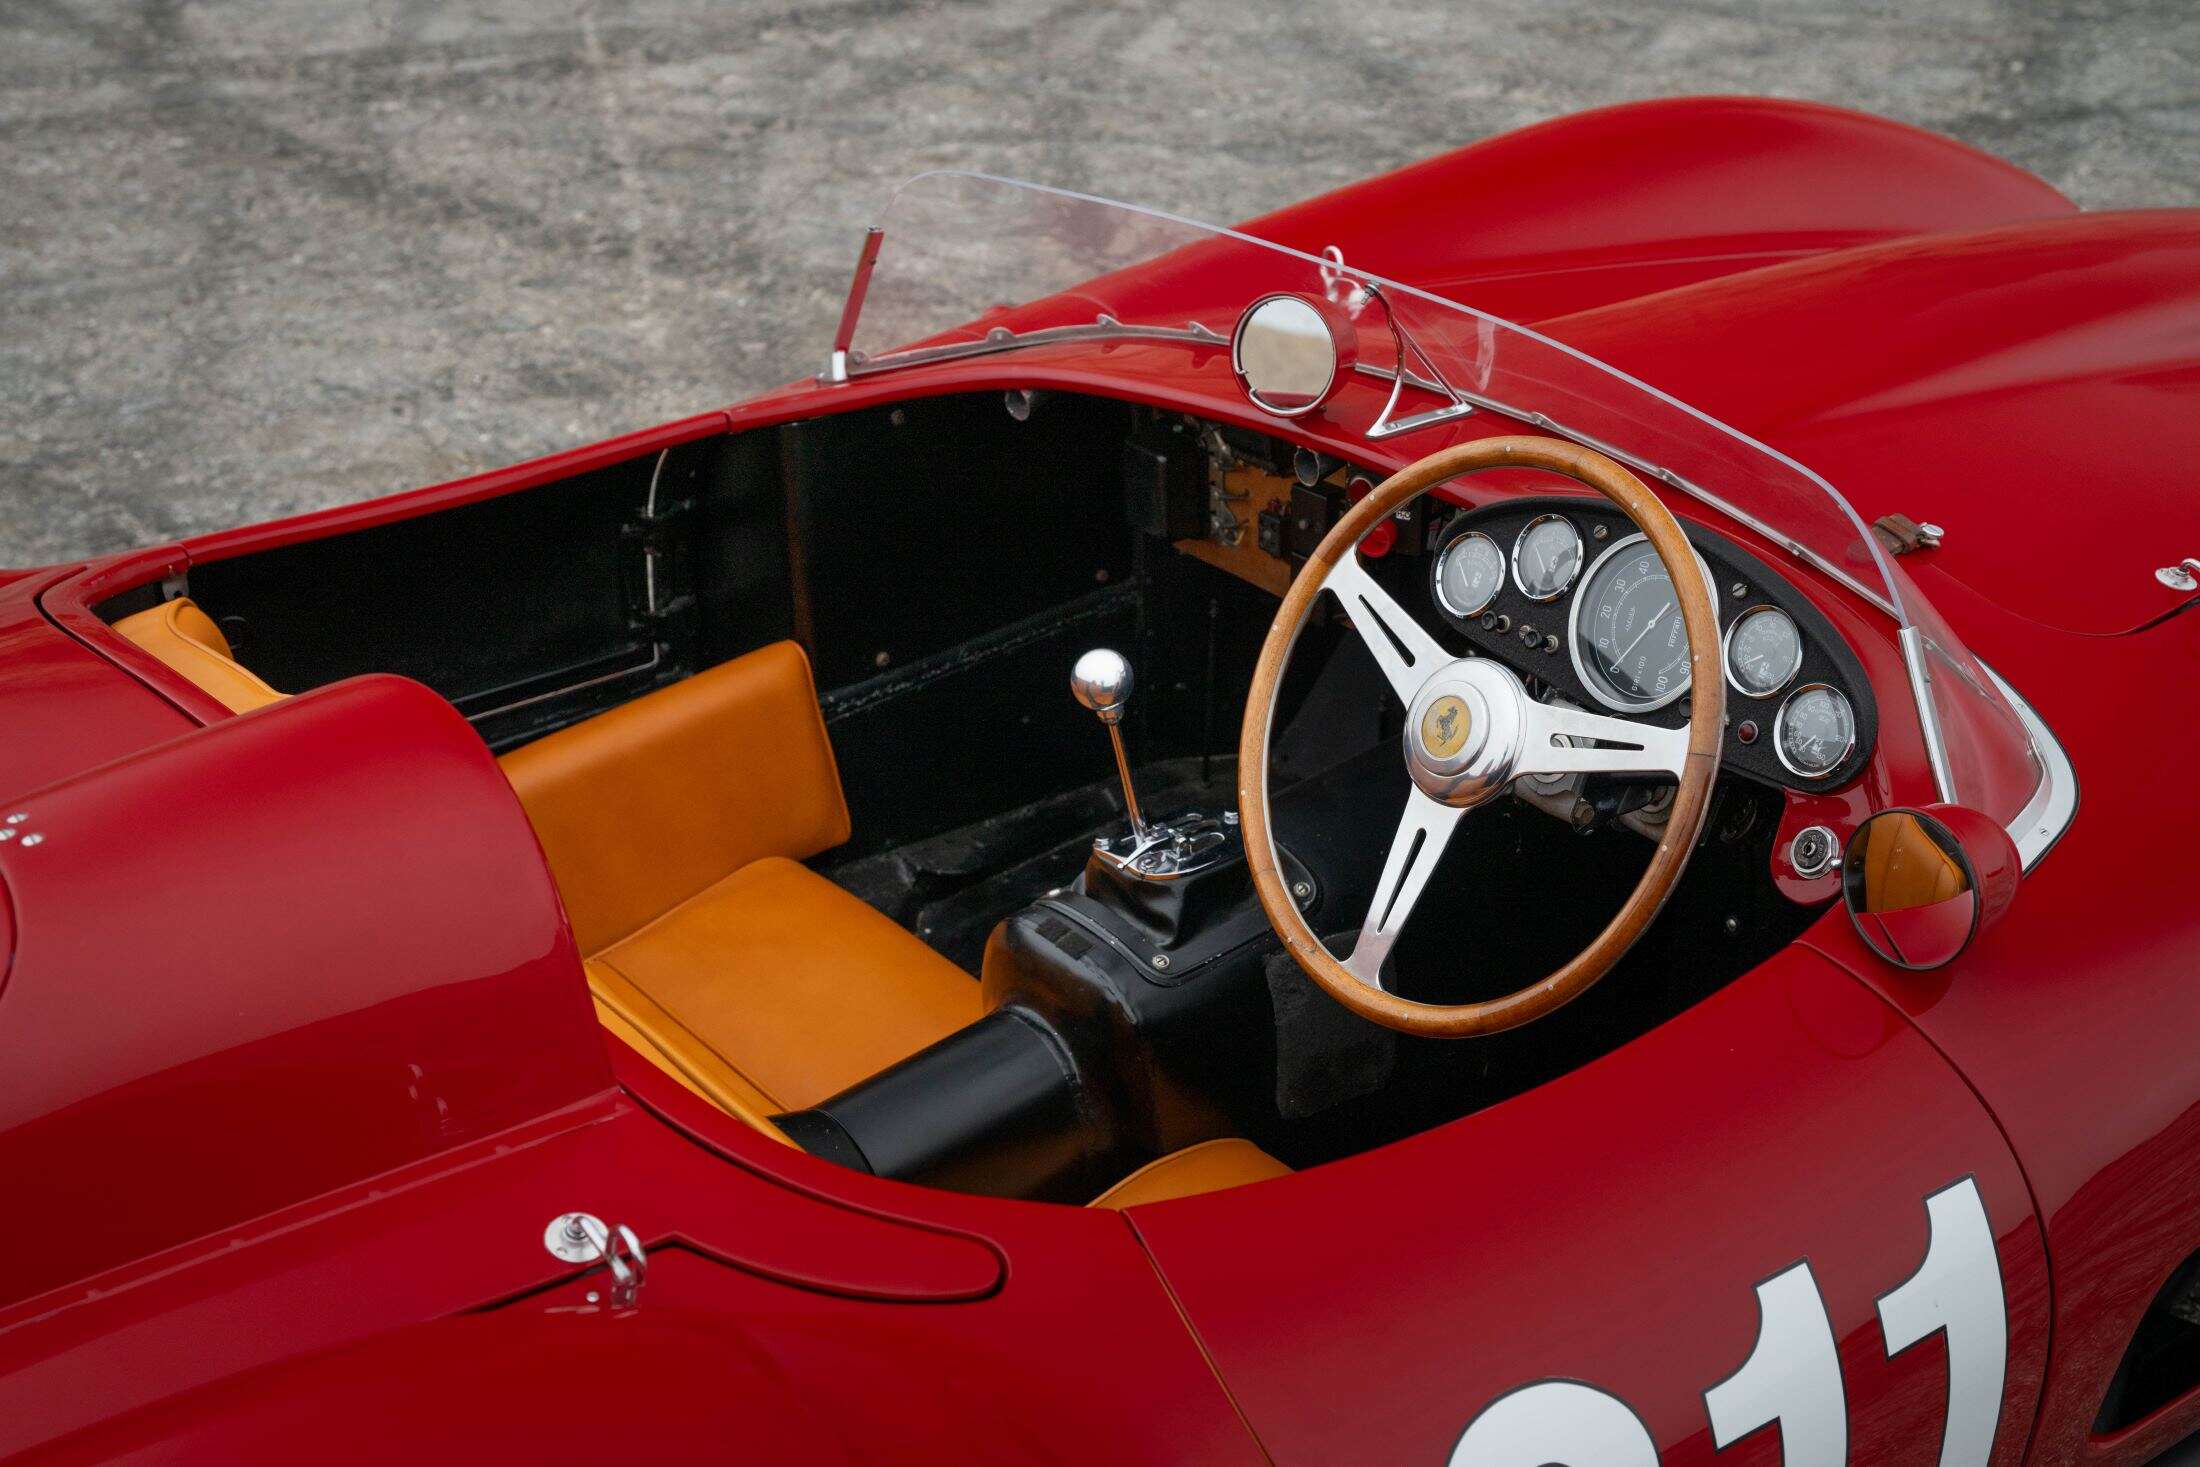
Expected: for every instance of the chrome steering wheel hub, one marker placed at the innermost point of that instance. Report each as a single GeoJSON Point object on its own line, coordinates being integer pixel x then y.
{"type": "Point", "coordinates": [1464, 731]}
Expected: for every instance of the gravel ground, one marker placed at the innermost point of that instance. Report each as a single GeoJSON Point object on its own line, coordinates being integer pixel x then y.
{"type": "Point", "coordinates": [262, 258]}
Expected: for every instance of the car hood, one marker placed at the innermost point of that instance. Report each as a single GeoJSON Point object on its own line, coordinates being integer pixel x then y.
{"type": "Point", "coordinates": [2033, 389]}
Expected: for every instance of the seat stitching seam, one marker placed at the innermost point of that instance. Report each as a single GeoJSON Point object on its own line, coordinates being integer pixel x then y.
{"type": "Point", "coordinates": [712, 1049]}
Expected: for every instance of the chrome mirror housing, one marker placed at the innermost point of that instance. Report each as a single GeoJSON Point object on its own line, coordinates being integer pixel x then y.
{"type": "Point", "coordinates": [1292, 352]}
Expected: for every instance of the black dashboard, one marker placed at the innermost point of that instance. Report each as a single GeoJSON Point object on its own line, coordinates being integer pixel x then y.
{"type": "Point", "coordinates": [1565, 591]}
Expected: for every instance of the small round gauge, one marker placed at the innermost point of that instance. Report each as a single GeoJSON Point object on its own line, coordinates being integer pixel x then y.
{"type": "Point", "coordinates": [1630, 641]}
{"type": "Point", "coordinates": [1815, 730]}
{"type": "Point", "coordinates": [1763, 651]}
{"type": "Point", "coordinates": [1469, 574]}
{"type": "Point", "coordinates": [1546, 557]}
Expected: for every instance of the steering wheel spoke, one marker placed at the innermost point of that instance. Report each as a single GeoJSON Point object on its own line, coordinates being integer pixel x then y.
{"type": "Point", "coordinates": [1423, 832]}
{"type": "Point", "coordinates": [1403, 648]}
{"type": "Point", "coordinates": [1555, 742]}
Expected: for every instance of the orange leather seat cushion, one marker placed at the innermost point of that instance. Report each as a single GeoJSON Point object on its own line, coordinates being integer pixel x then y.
{"type": "Point", "coordinates": [185, 638]}
{"type": "Point", "coordinates": [1208, 1167]}
{"type": "Point", "coordinates": [791, 982]}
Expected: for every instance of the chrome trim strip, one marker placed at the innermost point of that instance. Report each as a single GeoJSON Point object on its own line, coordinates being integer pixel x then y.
{"type": "Point", "coordinates": [656, 656]}
{"type": "Point", "coordinates": [1000, 339]}
{"type": "Point", "coordinates": [1928, 717]}
{"type": "Point", "coordinates": [2054, 804]}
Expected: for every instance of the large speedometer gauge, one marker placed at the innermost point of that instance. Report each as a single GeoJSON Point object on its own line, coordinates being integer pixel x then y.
{"type": "Point", "coordinates": [1630, 641]}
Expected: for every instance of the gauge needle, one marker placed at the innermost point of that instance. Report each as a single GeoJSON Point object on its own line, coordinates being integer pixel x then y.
{"type": "Point", "coordinates": [1631, 646]}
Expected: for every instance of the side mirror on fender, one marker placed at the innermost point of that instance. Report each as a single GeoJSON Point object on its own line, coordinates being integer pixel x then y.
{"type": "Point", "coordinates": [1920, 884]}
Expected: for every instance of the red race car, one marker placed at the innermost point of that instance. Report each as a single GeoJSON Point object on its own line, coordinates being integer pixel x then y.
{"type": "Point", "coordinates": [1201, 849]}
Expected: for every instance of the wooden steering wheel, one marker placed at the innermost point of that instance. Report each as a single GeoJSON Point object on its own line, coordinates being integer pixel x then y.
{"type": "Point", "coordinates": [1471, 729]}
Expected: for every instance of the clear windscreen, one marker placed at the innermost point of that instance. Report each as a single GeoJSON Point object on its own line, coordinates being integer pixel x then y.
{"type": "Point", "coordinates": [969, 264]}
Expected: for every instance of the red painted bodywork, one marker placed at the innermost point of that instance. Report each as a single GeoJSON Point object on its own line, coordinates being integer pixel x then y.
{"type": "Point", "coordinates": [298, 1058]}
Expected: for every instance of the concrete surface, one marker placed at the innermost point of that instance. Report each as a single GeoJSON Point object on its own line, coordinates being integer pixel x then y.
{"type": "Point", "coordinates": [261, 258]}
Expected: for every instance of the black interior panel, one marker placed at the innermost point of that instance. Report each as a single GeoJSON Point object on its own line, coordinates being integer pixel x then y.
{"type": "Point", "coordinates": [919, 526]}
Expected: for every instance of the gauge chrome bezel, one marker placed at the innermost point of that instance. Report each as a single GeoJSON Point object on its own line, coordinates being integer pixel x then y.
{"type": "Point", "coordinates": [1594, 682]}
{"type": "Point", "coordinates": [1726, 652]}
{"type": "Point", "coordinates": [1580, 554]}
{"type": "Point", "coordinates": [1779, 733]}
{"type": "Point", "coordinates": [1438, 579]}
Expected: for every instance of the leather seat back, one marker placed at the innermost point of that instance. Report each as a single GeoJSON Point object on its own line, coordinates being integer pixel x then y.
{"type": "Point", "coordinates": [640, 808]}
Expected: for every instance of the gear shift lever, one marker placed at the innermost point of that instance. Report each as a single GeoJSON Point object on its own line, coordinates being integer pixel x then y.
{"type": "Point", "coordinates": [1102, 681]}
{"type": "Point", "coordinates": [1169, 850]}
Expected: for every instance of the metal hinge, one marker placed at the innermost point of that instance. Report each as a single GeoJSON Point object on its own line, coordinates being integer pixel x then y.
{"type": "Point", "coordinates": [657, 528]}
{"type": "Point", "coordinates": [1900, 534]}
{"type": "Point", "coordinates": [580, 1237]}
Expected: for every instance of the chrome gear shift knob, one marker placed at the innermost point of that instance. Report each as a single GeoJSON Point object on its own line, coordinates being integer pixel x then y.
{"type": "Point", "coordinates": [1102, 681]}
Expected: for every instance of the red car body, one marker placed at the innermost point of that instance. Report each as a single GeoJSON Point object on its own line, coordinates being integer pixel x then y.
{"type": "Point", "coordinates": [298, 1058]}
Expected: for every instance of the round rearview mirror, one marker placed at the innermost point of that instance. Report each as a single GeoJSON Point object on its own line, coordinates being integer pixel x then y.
{"type": "Point", "coordinates": [1921, 884]}
{"type": "Point", "coordinates": [1292, 352]}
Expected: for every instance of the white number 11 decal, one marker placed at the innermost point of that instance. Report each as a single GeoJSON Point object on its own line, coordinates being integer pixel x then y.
{"type": "Point", "coordinates": [1793, 1373]}
{"type": "Point", "coordinates": [1957, 1290]}
{"type": "Point", "coordinates": [1793, 1376]}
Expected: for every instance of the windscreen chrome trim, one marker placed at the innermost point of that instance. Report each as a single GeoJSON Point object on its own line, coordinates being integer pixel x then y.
{"type": "Point", "coordinates": [1928, 717]}
{"type": "Point", "coordinates": [1886, 603]}
{"type": "Point", "coordinates": [2054, 804]}
{"type": "Point", "coordinates": [847, 365]}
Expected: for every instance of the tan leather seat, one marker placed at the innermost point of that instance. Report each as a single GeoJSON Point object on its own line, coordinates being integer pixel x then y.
{"type": "Point", "coordinates": [185, 638]}
{"type": "Point", "coordinates": [674, 825]}
{"type": "Point", "coordinates": [1208, 1167]}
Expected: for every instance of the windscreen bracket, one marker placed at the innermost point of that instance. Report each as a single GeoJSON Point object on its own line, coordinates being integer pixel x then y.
{"type": "Point", "coordinates": [1429, 378]}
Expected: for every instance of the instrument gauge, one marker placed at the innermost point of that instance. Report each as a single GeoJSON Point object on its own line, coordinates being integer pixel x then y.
{"type": "Point", "coordinates": [1630, 641]}
{"type": "Point", "coordinates": [1546, 557]}
{"type": "Point", "coordinates": [1469, 574]}
{"type": "Point", "coordinates": [1815, 730]}
{"type": "Point", "coordinates": [1764, 651]}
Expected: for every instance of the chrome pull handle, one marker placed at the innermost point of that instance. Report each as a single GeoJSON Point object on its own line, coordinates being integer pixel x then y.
{"type": "Point", "coordinates": [580, 1237]}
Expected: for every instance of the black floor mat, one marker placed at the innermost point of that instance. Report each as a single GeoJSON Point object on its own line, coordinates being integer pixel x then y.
{"type": "Point", "coordinates": [953, 889]}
